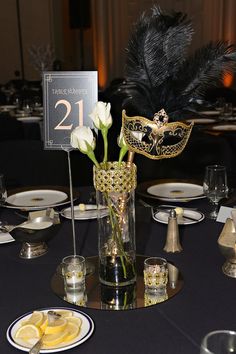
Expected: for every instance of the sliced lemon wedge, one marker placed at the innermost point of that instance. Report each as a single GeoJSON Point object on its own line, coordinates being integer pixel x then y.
{"type": "Point", "coordinates": [44, 324]}
{"type": "Point", "coordinates": [37, 318]}
{"type": "Point", "coordinates": [52, 339]}
{"type": "Point", "coordinates": [28, 331]}
{"type": "Point", "coordinates": [73, 331]}
{"type": "Point", "coordinates": [75, 320]}
{"type": "Point", "coordinates": [56, 326]}
{"type": "Point", "coordinates": [65, 313]}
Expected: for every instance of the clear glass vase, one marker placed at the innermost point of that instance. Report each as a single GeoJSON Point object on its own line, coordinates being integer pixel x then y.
{"type": "Point", "coordinates": [115, 190]}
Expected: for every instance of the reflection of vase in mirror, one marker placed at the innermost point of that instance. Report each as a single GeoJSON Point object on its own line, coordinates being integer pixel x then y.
{"type": "Point", "coordinates": [155, 297]}
{"type": "Point", "coordinates": [120, 298]}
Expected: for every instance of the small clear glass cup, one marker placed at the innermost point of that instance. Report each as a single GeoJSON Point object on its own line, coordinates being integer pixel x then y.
{"type": "Point", "coordinates": [73, 271]}
{"type": "Point", "coordinates": [3, 191]}
{"type": "Point", "coordinates": [228, 110]}
{"type": "Point", "coordinates": [219, 342]}
{"type": "Point", "coordinates": [155, 274]}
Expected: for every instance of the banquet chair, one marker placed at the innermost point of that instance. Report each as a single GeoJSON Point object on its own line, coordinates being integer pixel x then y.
{"type": "Point", "coordinates": [26, 163]}
{"type": "Point", "coordinates": [10, 128]}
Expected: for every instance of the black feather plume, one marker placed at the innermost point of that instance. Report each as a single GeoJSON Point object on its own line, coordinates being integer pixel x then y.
{"type": "Point", "coordinates": [158, 72]}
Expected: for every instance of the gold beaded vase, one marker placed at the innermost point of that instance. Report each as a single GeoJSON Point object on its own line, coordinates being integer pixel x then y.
{"type": "Point", "coordinates": [115, 185]}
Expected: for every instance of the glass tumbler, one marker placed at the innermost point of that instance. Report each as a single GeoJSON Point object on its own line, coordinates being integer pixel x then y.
{"type": "Point", "coordinates": [155, 274]}
{"type": "Point", "coordinates": [219, 342]}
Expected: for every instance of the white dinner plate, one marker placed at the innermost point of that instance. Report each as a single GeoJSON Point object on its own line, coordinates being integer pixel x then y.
{"type": "Point", "coordinates": [7, 108]}
{"type": "Point", "coordinates": [201, 120]}
{"type": "Point", "coordinates": [86, 331]}
{"type": "Point", "coordinates": [5, 238]}
{"type": "Point", "coordinates": [37, 198]}
{"type": "Point", "coordinates": [210, 113]}
{"type": "Point", "coordinates": [162, 217]}
{"type": "Point", "coordinates": [224, 127]}
{"type": "Point", "coordinates": [29, 119]}
{"type": "Point", "coordinates": [176, 191]}
{"type": "Point", "coordinates": [79, 214]}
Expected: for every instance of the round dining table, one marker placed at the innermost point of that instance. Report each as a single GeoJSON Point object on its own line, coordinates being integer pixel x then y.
{"type": "Point", "coordinates": [205, 303]}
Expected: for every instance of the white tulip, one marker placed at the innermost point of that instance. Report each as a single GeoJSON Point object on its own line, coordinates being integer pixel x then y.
{"type": "Point", "coordinates": [82, 138]}
{"type": "Point", "coordinates": [121, 141]}
{"type": "Point", "coordinates": [101, 115]}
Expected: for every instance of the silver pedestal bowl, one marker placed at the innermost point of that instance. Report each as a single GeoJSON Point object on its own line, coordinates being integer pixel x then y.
{"type": "Point", "coordinates": [34, 240]}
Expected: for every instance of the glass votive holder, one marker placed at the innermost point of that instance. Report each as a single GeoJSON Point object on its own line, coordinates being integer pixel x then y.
{"type": "Point", "coordinates": [74, 271]}
{"type": "Point", "coordinates": [155, 273]}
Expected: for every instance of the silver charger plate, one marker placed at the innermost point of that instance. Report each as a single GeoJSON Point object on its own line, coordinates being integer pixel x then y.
{"type": "Point", "coordinates": [36, 199]}
{"type": "Point", "coordinates": [176, 191]}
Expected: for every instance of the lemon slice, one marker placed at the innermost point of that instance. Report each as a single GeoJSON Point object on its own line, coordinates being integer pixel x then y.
{"type": "Point", "coordinates": [65, 313]}
{"type": "Point", "coordinates": [37, 318]}
{"type": "Point", "coordinates": [57, 326]}
{"type": "Point", "coordinates": [28, 331]}
{"type": "Point", "coordinates": [52, 339]}
{"type": "Point", "coordinates": [73, 331]}
{"type": "Point", "coordinates": [44, 324]}
{"type": "Point", "coordinates": [75, 320]}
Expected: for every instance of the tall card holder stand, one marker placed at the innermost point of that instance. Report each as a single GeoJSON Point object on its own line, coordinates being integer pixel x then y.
{"type": "Point", "coordinates": [69, 97]}
{"type": "Point", "coordinates": [68, 150]}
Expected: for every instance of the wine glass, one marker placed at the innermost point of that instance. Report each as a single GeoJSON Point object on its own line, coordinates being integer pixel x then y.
{"type": "Point", "coordinates": [215, 186]}
{"type": "Point", "coordinates": [219, 342]}
{"type": "Point", "coordinates": [3, 191]}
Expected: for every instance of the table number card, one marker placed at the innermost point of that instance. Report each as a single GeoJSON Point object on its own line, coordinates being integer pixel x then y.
{"type": "Point", "coordinates": [69, 97]}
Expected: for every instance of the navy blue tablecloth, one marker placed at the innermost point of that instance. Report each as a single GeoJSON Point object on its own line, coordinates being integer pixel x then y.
{"type": "Point", "coordinates": [206, 302]}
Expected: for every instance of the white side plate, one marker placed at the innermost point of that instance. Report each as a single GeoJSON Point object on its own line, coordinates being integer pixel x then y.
{"type": "Point", "coordinates": [86, 331]}
{"type": "Point", "coordinates": [225, 127]}
{"type": "Point", "coordinates": [162, 217]}
{"type": "Point", "coordinates": [5, 238]}
{"type": "Point", "coordinates": [79, 214]}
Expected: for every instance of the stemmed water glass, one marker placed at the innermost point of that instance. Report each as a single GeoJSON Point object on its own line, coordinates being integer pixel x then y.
{"type": "Point", "coordinates": [215, 186]}
{"type": "Point", "coordinates": [3, 191]}
{"type": "Point", "coordinates": [219, 342]}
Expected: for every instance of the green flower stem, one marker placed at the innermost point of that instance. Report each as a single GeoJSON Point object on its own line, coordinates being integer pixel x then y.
{"type": "Point", "coordinates": [92, 157]}
{"type": "Point", "coordinates": [105, 142]}
{"type": "Point", "coordinates": [125, 300]}
{"type": "Point", "coordinates": [123, 151]}
{"type": "Point", "coordinates": [117, 233]}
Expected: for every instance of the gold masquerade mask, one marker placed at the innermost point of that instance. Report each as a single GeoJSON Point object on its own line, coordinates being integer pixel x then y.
{"type": "Point", "coordinates": [155, 139]}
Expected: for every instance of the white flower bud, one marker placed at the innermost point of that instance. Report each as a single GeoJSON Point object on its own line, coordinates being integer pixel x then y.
{"type": "Point", "coordinates": [121, 141]}
{"type": "Point", "coordinates": [101, 115]}
{"type": "Point", "coordinates": [82, 138]}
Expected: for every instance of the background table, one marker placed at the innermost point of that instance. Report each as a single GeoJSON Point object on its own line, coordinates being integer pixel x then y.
{"type": "Point", "coordinates": [206, 302]}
